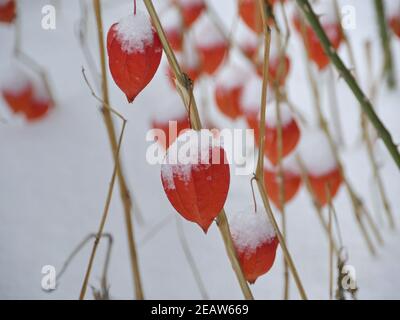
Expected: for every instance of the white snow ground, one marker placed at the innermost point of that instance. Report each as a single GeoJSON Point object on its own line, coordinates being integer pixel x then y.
{"type": "Point", "coordinates": [54, 176]}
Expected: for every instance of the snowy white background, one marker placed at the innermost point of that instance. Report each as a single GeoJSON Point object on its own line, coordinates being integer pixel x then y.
{"type": "Point", "coordinates": [54, 176]}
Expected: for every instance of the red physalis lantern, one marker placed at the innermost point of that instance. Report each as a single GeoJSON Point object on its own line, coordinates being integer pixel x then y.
{"type": "Point", "coordinates": [291, 185]}
{"type": "Point", "coordinates": [315, 50]}
{"type": "Point", "coordinates": [322, 168]}
{"type": "Point", "coordinates": [250, 101]}
{"type": "Point", "coordinates": [7, 11]}
{"type": "Point", "coordinates": [17, 90]}
{"type": "Point", "coordinates": [134, 52]}
{"type": "Point", "coordinates": [195, 176]}
{"type": "Point", "coordinates": [228, 90]}
{"type": "Point", "coordinates": [332, 180]}
{"type": "Point", "coordinates": [248, 41]}
{"type": "Point", "coordinates": [279, 66]}
{"type": "Point", "coordinates": [40, 104]}
{"type": "Point", "coordinates": [172, 119]}
{"type": "Point", "coordinates": [26, 96]}
{"type": "Point", "coordinates": [255, 242]}
{"type": "Point", "coordinates": [290, 132]}
{"type": "Point", "coordinates": [173, 27]}
{"type": "Point", "coordinates": [394, 23]}
{"type": "Point", "coordinates": [191, 10]}
{"type": "Point", "coordinates": [211, 45]}
{"type": "Point", "coordinates": [250, 13]}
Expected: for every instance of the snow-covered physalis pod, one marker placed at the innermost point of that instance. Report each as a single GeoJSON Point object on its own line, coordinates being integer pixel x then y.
{"type": "Point", "coordinates": [331, 27]}
{"type": "Point", "coordinates": [173, 27]}
{"type": "Point", "coordinates": [255, 242]}
{"type": "Point", "coordinates": [211, 45]}
{"type": "Point", "coordinates": [322, 168]}
{"type": "Point", "coordinates": [195, 176]}
{"type": "Point", "coordinates": [249, 12]}
{"type": "Point", "coordinates": [250, 101]}
{"type": "Point", "coordinates": [229, 85]}
{"type": "Point", "coordinates": [172, 119]}
{"type": "Point", "coordinates": [16, 89]}
{"type": "Point", "coordinates": [290, 131]}
{"type": "Point", "coordinates": [279, 65]}
{"type": "Point", "coordinates": [291, 185]}
{"type": "Point", "coordinates": [248, 41]}
{"type": "Point", "coordinates": [40, 104]}
{"type": "Point", "coordinates": [394, 23]}
{"type": "Point", "coordinates": [191, 10]}
{"type": "Point", "coordinates": [7, 11]}
{"type": "Point", "coordinates": [134, 53]}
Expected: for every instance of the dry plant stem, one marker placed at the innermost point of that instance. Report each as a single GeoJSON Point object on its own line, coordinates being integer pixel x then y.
{"type": "Point", "coordinates": [348, 77]}
{"type": "Point", "coordinates": [154, 230]}
{"type": "Point", "coordinates": [80, 246]}
{"type": "Point", "coordinates": [330, 242]}
{"type": "Point", "coordinates": [280, 159]}
{"type": "Point", "coordinates": [282, 196]}
{"type": "Point", "coordinates": [103, 218]}
{"type": "Point", "coordinates": [317, 206]}
{"type": "Point", "coordinates": [376, 173]}
{"type": "Point", "coordinates": [388, 67]}
{"type": "Point", "coordinates": [358, 206]}
{"type": "Point", "coordinates": [125, 196]}
{"type": "Point", "coordinates": [190, 259]}
{"type": "Point", "coordinates": [260, 162]}
{"type": "Point", "coordinates": [184, 88]}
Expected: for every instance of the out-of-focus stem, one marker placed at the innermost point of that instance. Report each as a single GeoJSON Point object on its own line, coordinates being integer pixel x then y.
{"type": "Point", "coordinates": [388, 66]}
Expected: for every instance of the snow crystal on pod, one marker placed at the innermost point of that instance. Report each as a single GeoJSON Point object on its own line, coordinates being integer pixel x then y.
{"type": "Point", "coordinates": [231, 76]}
{"type": "Point", "coordinates": [135, 32]}
{"type": "Point", "coordinates": [172, 19]}
{"type": "Point", "coordinates": [14, 79]}
{"type": "Point", "coordinates": [251, 229]}
{"type": "Point", "coordinates": [206, 33]}
{"type": "Point", "coordinates": [189, 150]}
{"type": "Point", "coordinates": [315, 151]}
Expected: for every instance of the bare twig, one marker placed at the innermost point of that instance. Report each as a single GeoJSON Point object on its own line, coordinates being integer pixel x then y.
{"type": "Point", "coordinates": [124, 191]}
